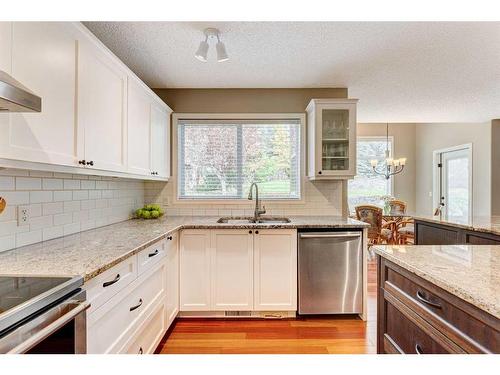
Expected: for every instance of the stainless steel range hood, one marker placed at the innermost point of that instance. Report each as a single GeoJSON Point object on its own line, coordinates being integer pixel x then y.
{"type": "Point", "coordinates": [14, 97]}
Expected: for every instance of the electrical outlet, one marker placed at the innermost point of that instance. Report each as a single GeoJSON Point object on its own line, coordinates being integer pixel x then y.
{"type": "Point", "coordinates": [23, 215]}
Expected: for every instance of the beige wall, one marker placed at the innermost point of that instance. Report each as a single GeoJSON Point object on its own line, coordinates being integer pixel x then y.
{"type": "Point", "coordinates": [244, 100]}
{"type": "Point", "coordinates": [319, 198]}
{"type": "Point", "coordinates": [404, 147]}
{"type": "Point", "coordinates": [495, 167]}
{"type": "Point", "coordinates": [431, 137]}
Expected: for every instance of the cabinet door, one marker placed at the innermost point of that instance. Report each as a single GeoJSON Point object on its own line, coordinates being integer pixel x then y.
{"type": "Point", "coordinates": [336, 139]}
{"type": "Point", "coordinates": [172, 302]}
{"type": "Point", "coordinates": [44, 60]}
{"type": "Point", "coordinates": [5, 46]}
{"type": "Point", "coordinates": [139, 117]}
{"type": "Point", "coordinates": [195, 270]}
{"type": "Point", "coordinates": [102, 93]}
{"type": "Point", "coordinates": [275, 269]}
{"type": "Point", "coordinates": [232, 270]}
{"type": "Point", "coordinates": [160, 140]}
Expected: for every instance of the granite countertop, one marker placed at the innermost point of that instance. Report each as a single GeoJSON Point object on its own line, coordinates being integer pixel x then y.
{"type": "Point", "coordinates": [486, 224]}
{"type": "Point", "coordinates": [471, 272]}
{"type": "Point", "coordinates": [92, 252]}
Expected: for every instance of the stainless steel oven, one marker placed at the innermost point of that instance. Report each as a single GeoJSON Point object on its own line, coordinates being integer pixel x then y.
{"type": "Point", "coordinates": [51, 321]}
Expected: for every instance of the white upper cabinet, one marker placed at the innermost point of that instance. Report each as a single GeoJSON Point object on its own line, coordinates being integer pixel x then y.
{"type": "Point", "coordinates": [331, 138]}
{"type": "Point", "coordinates": [139, 133]}
{"type": "Point", "coordinates": [160, 140]}
{"type": "Point", "coordinates": [232, 270]}
{"type": "Point", "coordinates": [275, 269]}
{"type": "Point", "coordinates": [102, 99]}
{"type": "Point", "coordinates": [44, 60]}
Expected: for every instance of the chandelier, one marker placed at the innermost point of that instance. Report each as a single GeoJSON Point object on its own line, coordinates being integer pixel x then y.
{"type": "Point", "coordinates": [392, 166]}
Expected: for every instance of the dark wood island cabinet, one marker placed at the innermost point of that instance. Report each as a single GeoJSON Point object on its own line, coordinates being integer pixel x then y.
{"type": "Point", "coordinates": [435, 232]}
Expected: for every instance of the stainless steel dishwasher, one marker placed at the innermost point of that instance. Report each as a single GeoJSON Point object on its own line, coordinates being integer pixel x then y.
{"type": "Point", "coordinates": [330, 272]}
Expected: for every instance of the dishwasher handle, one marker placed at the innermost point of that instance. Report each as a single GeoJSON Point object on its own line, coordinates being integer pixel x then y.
{"type": "Point", "coordinates": [330, 235]}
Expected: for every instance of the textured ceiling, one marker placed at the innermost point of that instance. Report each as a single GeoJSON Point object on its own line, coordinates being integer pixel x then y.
{"type": "Point", "coordinates": [400, 72]}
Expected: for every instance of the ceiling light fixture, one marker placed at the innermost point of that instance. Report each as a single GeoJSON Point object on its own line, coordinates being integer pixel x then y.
{"type": "Point", "coordinates": [202, 52]}
{"type": "Point", "coordinates": [392, 166]}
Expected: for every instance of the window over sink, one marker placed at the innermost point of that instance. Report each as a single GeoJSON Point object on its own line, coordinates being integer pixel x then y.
{"type": "Point", "coordinates": [219, 159]}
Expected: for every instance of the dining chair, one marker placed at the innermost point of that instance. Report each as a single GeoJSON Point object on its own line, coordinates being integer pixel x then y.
{"type": "Point", "coordinates": [397, 207]}
{"type": "Point", "coordinates": [378, 231]}
{"type": "Point", "coordinates": [405, 232]}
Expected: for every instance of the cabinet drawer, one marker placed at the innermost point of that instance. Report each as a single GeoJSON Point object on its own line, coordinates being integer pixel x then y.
{"type": "Point", "coordinates": [104, 286]}
{"type": "Point", "coordinates": [111, 325]}
{"type": "Point", "coordinates": [406, 336]}
{"type": "Point", "coordinates": [443, 311]}
{"type": "Point", "coordinates": [149, 335]}
{"type": "Point", "coordinates": [150, 256]}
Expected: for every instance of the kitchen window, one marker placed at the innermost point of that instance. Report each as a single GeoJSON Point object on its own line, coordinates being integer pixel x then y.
{"type": "Point", "coordinates": [219, 159]}
{"type": "Point", "coordinates": [368, 187]}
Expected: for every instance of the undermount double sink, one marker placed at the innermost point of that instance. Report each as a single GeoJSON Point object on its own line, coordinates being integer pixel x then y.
{"type": "Point", "coordinates": [251, 220]}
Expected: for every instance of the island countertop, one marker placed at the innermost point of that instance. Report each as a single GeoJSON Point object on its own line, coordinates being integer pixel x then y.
{"type": "Point", "coordinates": [470, 272]}
{"type": "Point", "coordinates": [485, 224]}
{"type": "Point", "coordinates": [92, 252]}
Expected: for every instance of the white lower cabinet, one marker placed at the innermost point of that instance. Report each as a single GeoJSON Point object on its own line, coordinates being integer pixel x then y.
{"type": "Point", "coordinates": [172, 298]}
{"type": "Point", "coordinates": [232, 270]}
{"type": "Point", "coordinates": [275, 270]}
{"type": "Point", "coordinates": [195, 270]}
{"type": "Point", "coordinates": [243, 270]}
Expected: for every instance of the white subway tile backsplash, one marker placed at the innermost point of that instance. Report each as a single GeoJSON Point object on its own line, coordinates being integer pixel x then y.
{"type": "Point", "coordinates": [41, 196]}
{"type": "Point", "coordinates": [28, 183]}
{"type": "Point", "coordinates": [62, 204]}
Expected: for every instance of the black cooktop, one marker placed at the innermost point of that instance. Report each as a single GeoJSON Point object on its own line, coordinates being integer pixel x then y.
{"type": "Point", "coordinates": [22, 296]}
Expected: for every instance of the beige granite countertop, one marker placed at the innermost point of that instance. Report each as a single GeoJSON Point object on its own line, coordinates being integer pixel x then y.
{"type": "Point", "coordinates": [92, 252]}
{"type": "Point", "coordinates": [471, 272]}
{"type": "Point", "coordinates": [486, 224]}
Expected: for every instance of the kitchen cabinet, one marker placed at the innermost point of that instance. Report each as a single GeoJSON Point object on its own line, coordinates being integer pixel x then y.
{"type": "Point", "coordinates": [102, 95]}
{"type": "Point", "coordinates": [195, 270]}
{"type": "Point", "coordinates": [44, 60]}
{"type": "Point", "coordinates": [232, 270]}
{"type": "Point", "coordinates": [5, 46]}
{"type": "Point", "coordinates": [431, 233]}
{"type": "Point", "coordinates": [160, 139]}
{"type": "Point", "coordinates": [331, 129]}
{"type": "Point", "coordinates": [238, 270]}
{"type": "Point", "coordinates": [275, 269]}
{"type": "Point", "coordinates": [172, 298]}
{"type": "Point", "coordinates": [415, 316]}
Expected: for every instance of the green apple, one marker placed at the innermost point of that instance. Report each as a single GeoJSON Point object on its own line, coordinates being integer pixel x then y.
{"type": "Point", "coordinates": [155, 214]}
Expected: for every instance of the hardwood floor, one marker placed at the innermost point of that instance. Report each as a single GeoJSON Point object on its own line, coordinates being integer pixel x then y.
{"type": "Point", "coordinates": [317, 335]}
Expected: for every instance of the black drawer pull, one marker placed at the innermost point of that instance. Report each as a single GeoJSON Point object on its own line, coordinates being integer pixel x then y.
{"type": "Point", "coordinates": [418, 349]}
{"type": "Point", "coordinates": [426, 301]}
{"type": "Point", "coordinates": [136, 306]}
{"type": "Point", "coordinates": [153, 254]}
{"type": "Point", "coordinates": [108, 283]}
{"type": "Point", "coordinates": [140, 350]}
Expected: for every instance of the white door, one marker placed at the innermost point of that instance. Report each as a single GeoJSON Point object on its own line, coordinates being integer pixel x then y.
{"type": "Point", "coordinates": [160, 140]}
{"type": "Point", "coordinates": [454, 183]}
{"type": "Point", "coordinates": [139, 118]}
{"type": "Point", "coordinates": [232, 269]}
{"type": "Point", "coordinates": [172, 304]}
{"type": "Point", "coordinates": [275, 269]}
{"type": "Point", "coordinates": [44, 60]}
{"type": "Point", "coordinates": [102, 99]}
{"type": "Point", "coordinates": [195, 270]}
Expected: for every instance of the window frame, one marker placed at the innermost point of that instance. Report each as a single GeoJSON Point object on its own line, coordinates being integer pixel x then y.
{"type": "Point", "coordinates": [176, 117]}
{"type": "Point", "coordinates": [373, 138]}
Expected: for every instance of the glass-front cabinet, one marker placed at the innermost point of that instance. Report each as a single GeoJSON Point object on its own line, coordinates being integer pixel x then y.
{"type": "Point", "coordinates": [331, 138]}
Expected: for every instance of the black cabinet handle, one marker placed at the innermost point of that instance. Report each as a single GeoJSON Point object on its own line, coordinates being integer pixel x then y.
{"type": "Point", "coordinates": [82, 162]}
{"type": "Point", "coordinates": [136, 306]}
{"type": "Point", "coordinates": [169, 238]}
{"type": "Point", "coordinates": [256, 232]}
{"type": "Point", "coordinates": [153, 254]}
{"type": "Point", "coordinates": [319, 172]}
{"type": "Point", "coordinates": [250, 232]}
{"type": "Point", "coordinates": [422, 298]}
{"type": "Point", "coordinates": [418, 349]}
{"type": "Point", "coordinates": [91, 163]}
{"type": "Point", "coordinates": [108, 283]}
{"type": "Point", "coordinates": [140, 350]}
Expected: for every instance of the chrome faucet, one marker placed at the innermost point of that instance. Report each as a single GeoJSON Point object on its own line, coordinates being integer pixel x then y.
{"type": "Point", "coordinates": [258, 211]}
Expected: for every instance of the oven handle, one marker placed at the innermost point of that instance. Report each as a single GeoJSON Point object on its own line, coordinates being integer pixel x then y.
{"type": "Point", "coordinates": [26, 345]}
